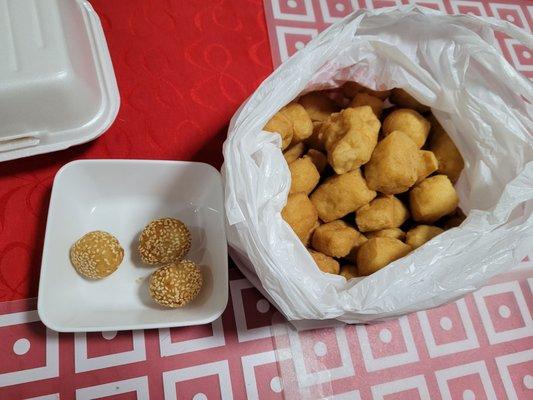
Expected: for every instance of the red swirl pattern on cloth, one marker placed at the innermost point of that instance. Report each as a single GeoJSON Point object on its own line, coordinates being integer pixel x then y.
{"type": "Point", "coordinates": [182, 69]}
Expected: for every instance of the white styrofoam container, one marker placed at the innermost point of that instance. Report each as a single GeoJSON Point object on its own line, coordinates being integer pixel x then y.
{"type": "Point", "coordinates": [121, 197]}
{"type": "Point", "coordinates": [57, 85]}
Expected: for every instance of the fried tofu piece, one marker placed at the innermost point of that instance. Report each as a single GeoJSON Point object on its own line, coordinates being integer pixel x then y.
{"type": "Point", "coordinates": [318, 105]}
{"type": "Point", "coordinates": [340, 195]}
{"type": "Point", "coordinates": [364, 99]}
{"type": "Point", "coordinates": [378, 252]}
{"type": "Point", "coordinates": [409, 122]}
{"type": "Point", "coordinates": [279, 123]}
{"type": "Point", "coordinates": [301, 215]}
{"type": "Point", "coordinates": [381, 213]}
{"type": "Point", "coordinates": [428, 164]}
{"type": "Point", "coordinates": [319, 159]}
{"type": "Point", "coordinates": [325, 263]}
{"type": "Point", "coordinates": [432, 199]}
{"type": "Point", "coordinates": [350, 137]}
{"type": "Point", "coordinates": [393, 167]}
{"type": "Point", "coordinates": [335, 239]}
{"type": "Point", "coordinates": [420, 234]}
{"type": "Point", "coordinates": [403, 99]}
{"type": "Point", "coordinates": [293, 124]}
{"type": "Point", "coordinates": [294, 152]}
{"type": "Point", "coordinates": [450, 161]}
{"type": "Point", "coordinates": [304, 175]}
{"type": "Point", "coordinates": [349, 271]}
{"type": "Point", "coordinates": [352, 255]}
{"type": "Point", "coordinates": [351, 89]}
{"type": "Point", "coordinates": [316, 140]}
{"type": "Point", "coordinates": [302, 126]}
{"type": "Point", "coordinates": [395, 233]}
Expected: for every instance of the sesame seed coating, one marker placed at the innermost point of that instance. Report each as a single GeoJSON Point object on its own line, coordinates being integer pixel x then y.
{"type": "Point", "coordinates": [96, 255]}
{"type": "Point", "coordinates": [164, 241]}
{"type": "Point", "coordinates": [176, 284]}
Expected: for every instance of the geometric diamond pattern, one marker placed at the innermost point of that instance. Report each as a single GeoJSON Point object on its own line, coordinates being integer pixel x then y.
{"type": "Point", "coordinates": [477, 346]}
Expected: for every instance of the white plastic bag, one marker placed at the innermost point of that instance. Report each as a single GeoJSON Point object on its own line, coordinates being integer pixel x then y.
{"type": "Point", "coordinates": [450, 63]}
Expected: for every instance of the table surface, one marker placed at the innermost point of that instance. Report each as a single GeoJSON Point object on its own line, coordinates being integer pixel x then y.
{"type": "Point", "coordinates": [182, 70]}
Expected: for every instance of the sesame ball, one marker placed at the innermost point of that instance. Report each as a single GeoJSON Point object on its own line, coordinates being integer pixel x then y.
{"type": "Point", "coordinates": [164, 241]}
{"type": "Point", "coordinates": [176, 284]}
{"type": "Point", "coordinates": [96, 255]}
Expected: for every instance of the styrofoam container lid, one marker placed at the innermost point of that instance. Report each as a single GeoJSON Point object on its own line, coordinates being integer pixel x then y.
{"type": "Point", "coordinates": [57, 85]}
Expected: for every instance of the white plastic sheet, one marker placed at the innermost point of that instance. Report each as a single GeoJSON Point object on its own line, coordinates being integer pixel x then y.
{"type": "Point", "coordinates": [450, 63]}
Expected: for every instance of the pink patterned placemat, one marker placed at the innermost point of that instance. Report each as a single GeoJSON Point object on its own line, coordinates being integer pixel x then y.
{"type": "Point", "coordinates": [479, 347]}
{"type": "Point", "coordinates": [293, 23]}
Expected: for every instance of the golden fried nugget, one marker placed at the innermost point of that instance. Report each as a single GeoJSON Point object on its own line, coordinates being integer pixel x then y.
{"type": "Point", "coordinates": [304, 175]}
{"type": "Point", "coordinates": [335, 238]}
{"type": "Point", "coordinates": [420, 234]}
{"type": "Point", "coordinates": [301, 215]}
{"type": "Point", "coordinates": [381, 213]}
{"type": "Point", "coordinates": [349, 271]}
{"type": "Point", "coordinates": [352, 255]}
{"type": "Point", "coordinates": [350, 137]}
{"type": "Point", "coordinates": [325, 263]}
{"type": "Point", "coordinates": [403, 99]}
{"type": "Point", "coordinates": [393, 167]}
{"type": "Point", "coordinates": [319, 159]}
{"type": "Point", "coordinates": [340, 195]}
{"type": "Point", "coordinates": [316, 140]}
{"type": "Point", "coordinates": [450, 161]}
{"type": "Point", "coordinates": [279, 123]}
{"type": "Point", "coordinates": [350, 90]}
{"type": "Point", "coordinates": [409, 122]}
{"type": "Point", "coordinates": [302, 126]}
{"type": "Point", "coordinates": [364, 99]}
{"type": "Point", "coordinates": [432, 199]}
{"type": "Point", "coordinates": [318, 105]}
{"type": "Point", "coordinates": [428, 164]}
{"type": "Point", "coordinates": [378, 252]}
{"type": "Point", "coordinates": [395, 233]}
{"type": "Point", "coordinates": [294, 152]}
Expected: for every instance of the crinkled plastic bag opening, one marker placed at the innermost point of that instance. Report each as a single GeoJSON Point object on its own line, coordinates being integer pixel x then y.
{"type": "Point", "coordinates": [452, 64]}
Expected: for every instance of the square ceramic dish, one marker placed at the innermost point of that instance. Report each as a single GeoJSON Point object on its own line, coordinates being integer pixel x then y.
{"type": "Point", "coordinates": [121, 197]}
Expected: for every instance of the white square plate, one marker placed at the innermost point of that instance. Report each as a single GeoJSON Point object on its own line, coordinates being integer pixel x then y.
{"type": "Point", "coordinates": [121, 197]}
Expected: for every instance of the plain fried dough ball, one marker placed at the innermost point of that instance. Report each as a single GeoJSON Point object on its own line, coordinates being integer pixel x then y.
{"type": "Point", "coordinates": [409, 122]}
{"type": "Point", "coordinates": [301, 215]}
{"type": "Point", "coordinates": [304, 175]}
{"type": "Point", "coordinates": [432, 199]}
{"type": "Point", "coordinates": [393, 167]}
{"type": "Point", "coordinates": [335, 239]}
{"type": "Point", "coordinates": [350, 137]}
{"type": "Point", "coordinates": [325, 263]}
{"type": "Point", "coordinates": [378, 252]}
{"type": "Point", "coordinates": [341, 195]}
{"type": "Point", "coordinates": [364, 99]}
{"type": "Point", "coordinates": [381, 213]}
{"type": "Point", "coordinates": [419, 235]}
{"type": "Point", "coordinates": [294, 152]}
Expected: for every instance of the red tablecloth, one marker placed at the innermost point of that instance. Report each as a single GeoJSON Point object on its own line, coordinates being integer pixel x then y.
{"type": "Point", "coordinates": [183, 68]}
